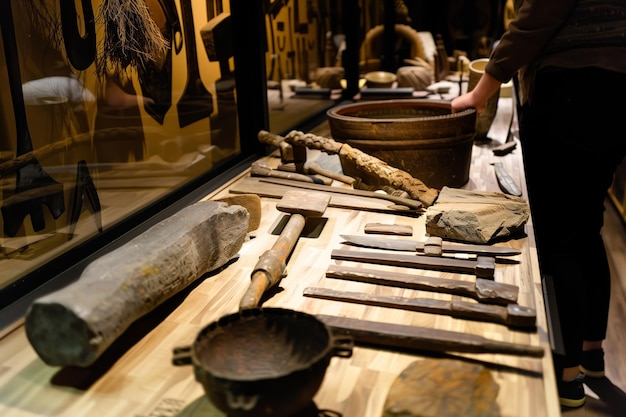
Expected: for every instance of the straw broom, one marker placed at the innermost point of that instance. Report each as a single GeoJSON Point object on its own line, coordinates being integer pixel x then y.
{"type": "Point", "coordinates": [131, 37]}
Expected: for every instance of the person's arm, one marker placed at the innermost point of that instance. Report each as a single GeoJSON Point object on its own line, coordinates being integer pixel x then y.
{"type": "Point", "coordinates": [477, 98]}
{"type": "Point", "coordinates": [536, 23]}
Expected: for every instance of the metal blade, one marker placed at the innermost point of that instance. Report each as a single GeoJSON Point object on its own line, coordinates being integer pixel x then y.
{"type": "Point", "coordinates": [414, 245]}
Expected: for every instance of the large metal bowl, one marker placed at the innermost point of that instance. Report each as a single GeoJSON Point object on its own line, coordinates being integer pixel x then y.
{"type": "Point", "coordinates": [263, 361]}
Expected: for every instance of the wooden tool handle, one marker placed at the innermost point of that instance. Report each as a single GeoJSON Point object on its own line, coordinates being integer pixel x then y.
{"type": "Point", "coordinates": [271, 265]}
{"type": "Point", "coordinates": [512, 315]}
{"type": "Point", "coordinates": [316, 168]}
{"type": "Point", "coordinates": [259, 283]}
{"type": "Point", "coordinates": [259, 170]}
{"type": "Point", "coordinates": [415, 338]}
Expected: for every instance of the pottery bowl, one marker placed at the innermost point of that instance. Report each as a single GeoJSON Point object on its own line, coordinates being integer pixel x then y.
{"type": "Point", "coordinates": [420, 136]}
{"type": "Point", "coordinates": [379, 79]}
{"type": "Point", "coordinates": [263, 361]}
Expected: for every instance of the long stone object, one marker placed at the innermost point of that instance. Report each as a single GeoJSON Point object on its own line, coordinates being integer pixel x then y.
{"type": "Point", "coordinates": [76, 324]}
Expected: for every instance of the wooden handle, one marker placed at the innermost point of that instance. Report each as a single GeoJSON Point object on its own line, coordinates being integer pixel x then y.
{"type": "Point", "coordinates": [415, 338]}
{"type": "Point", "coordinates": [316, 168]}
{"type": "Point", "coordinates": [258, 170]}
{"type": "Point", "coordinates": [271, 265]}
{"type": "Point", "coordinates": [259, 283]}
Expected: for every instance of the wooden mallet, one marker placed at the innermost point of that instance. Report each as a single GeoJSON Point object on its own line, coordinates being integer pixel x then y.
{"type": "Point", "coordinates": [272, 264]}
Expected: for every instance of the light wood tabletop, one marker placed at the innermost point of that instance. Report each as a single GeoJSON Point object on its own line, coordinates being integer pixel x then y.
{"type": "Point", "coordinates": [136, 376]}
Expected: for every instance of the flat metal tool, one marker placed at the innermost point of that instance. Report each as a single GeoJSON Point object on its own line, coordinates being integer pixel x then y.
{"type": "Point", "coordinates": [505, 181]}
{"type": "Point", "coordinates": [417, 246]}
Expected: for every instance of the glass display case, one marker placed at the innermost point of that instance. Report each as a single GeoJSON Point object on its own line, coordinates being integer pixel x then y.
{"type": "Point", "coordinates": [116, 111]}
{"type": "Point", "coordinates": [117, 114]}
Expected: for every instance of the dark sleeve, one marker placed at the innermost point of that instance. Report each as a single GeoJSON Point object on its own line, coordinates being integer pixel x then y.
{"type": "Point", "coordinates": [536, 23]}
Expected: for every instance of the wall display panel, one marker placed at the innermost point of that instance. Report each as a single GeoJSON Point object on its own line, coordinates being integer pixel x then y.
{"type": "Point", "coordinates": [113, 108]}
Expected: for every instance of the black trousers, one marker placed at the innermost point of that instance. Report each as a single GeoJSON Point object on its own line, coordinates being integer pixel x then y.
{"type": "Point", "coordinates": [573, 136]}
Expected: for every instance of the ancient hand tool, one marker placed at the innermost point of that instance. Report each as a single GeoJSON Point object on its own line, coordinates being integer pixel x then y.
{"type": "Point", "coordinates": [260, 170]}
{"type": "Point", "coordinates": [310, 167]}
{"type": "Point", "coordinates": [505, 181]}
{"type": "Point", "coordinates": [260, 186]}
{"type": "Point", "coordinates": [482, 267]}
{"type": "Point", "coordinates": [196, 102]}
{"type": "Point", "coordinates": [84, 187]}
{"type": "Point", "coordinates": [413, 338]}
{"type": "Point", "coordinates": [483, 290]}
{"type": "Point", "coordinates": [401, 201]}
{"type": "Point", "coordinates": [34, 187]}
{"type": "Point", "coordinates": [272, 264]}
{"type": "Point", "coordinates": [369, 164]}
{"type": "Point", "coordinates": [417, 246]}
{"type": "Point", "coordinates": [512, 315]}
{"type": "Point", "coordinates": [76, 324]}
{"type": "Point", "coordinates": [288, 152]}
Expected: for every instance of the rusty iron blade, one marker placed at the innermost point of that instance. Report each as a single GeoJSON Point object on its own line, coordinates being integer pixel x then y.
{"type": "Point", "coordinates": [415, 245]}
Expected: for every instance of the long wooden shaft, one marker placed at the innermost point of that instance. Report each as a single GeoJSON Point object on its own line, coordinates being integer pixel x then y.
{"type": "Point", "coordinates": [512, 315]}
{"type": "Point", "coordinates": [271, 265]}
{"type": "Point", "coordinates": [483, 290]}
{"type": "Point", "coordinates": [259, 170]}
{"type": "Point", "coordinates": [413, 338]}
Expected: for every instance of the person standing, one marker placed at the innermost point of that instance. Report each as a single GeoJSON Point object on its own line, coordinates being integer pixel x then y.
{"type": "Point", "coordinates": [570, 60]}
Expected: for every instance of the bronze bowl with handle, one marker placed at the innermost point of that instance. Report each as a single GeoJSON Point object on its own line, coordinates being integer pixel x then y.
{"type": "Point", "coordinates": [263, 361]}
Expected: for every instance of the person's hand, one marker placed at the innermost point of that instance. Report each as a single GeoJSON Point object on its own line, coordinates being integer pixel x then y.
{"type": "Point", "coordinates": [467, 101]}
{"type": "Point", "coordinates": [478, 97]}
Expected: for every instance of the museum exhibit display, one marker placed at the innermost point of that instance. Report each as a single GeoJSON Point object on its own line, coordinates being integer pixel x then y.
{"type": "Point", "coordinates": [265, 208]}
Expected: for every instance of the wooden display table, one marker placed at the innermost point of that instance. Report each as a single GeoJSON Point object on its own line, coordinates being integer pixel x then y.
{"type": "Point", "coordinates": [136, 377]}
